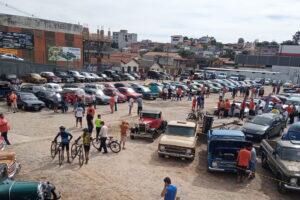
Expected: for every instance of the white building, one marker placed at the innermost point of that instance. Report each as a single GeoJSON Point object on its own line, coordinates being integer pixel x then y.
{"type": "Point", "coordinates": [176, 39]}
{"type": "Point", "coordinates": [131, 66]}
{"type": "Point", "coordinates": [124, 39]}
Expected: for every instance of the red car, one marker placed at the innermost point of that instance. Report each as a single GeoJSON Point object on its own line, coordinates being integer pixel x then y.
{"type": "Point", "coordinates": [111, 91]}
{"type": "Point", "coordinates": [71, 94]}
{"type": "Point", "coordinates": [51, 78]}
{"type": "Point", "coordinates": [129, 93]}
{"type": "Point", "coordinates": [273, 98]}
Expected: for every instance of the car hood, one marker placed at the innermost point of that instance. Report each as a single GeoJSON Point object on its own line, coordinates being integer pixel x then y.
{"type": "Point", "coordinates": [146, 120]}
{"type": "Point", "coordinates": [254, 127]}
{"type": "Point", "coordinates": [33, 102]}
{"type": "Point", "coordinates": [292, 166]}
{"type": "Point", "coordinates": [180, 141]}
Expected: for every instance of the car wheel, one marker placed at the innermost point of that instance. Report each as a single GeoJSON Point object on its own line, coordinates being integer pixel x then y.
{"type": "Point", "coordinates": [280, 185]}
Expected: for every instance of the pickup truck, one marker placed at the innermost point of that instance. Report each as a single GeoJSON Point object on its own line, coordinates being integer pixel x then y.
{"type": "Point", "coordinates": [293, 133]}
{"type": "Point", "coordinates": [179, 140]}
{"type": "Point", "coordinates": [283, 158]}
{"type": "Point", "coordinates": [222, 149]}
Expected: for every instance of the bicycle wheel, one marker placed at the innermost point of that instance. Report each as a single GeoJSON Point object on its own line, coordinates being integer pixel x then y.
{"type": "Point", "coordinates": [53, 150]}
{"type": "Point", "coordinates": [60, 157]}
{"type": "Point", "coordinates": [191, 116]}
{"type": "Point", "coordinates": [96, 143]}
{"type": "Point", "coordinates": [74, 151]}
{"type": "Point", "coordinates": [115, 146]}
{"type": "Point", "coordinates": [80, 156]}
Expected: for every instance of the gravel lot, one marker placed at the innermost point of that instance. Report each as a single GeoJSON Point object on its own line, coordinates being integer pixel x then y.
{"type": "Point", "coordinates": [135, 173]}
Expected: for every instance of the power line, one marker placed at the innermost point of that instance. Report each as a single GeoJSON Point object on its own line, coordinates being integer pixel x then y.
{"type": "Point", "coordinates": [16, 9]}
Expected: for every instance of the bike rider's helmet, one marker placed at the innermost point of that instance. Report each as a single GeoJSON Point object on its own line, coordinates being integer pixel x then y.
{"type": "Point", "coordinates": [62, 128]}
{"type": "Point", "coordinates": [85, 130]}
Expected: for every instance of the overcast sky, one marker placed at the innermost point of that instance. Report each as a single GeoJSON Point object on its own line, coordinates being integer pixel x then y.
{"type": "Point", "coordinates": [226, 20]}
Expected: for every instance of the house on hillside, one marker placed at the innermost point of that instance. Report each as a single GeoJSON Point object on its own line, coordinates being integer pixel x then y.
{"type": "Point", "coordinates": [120, 61]}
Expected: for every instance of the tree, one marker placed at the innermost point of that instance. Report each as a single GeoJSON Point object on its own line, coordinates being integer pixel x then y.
{"type": "Point", "coordinates": [241, 41]}
{"type": "Point", "coordinates": [186, 53]}
{"type": "Point", "coordinates": [213, 41]}
{"type": "Point", "coordinates": [229, 53]}
{"type": "Point", "coordinates": [296, 37]}
{"type": "Point", "coordinates": [288, 42]}
{"type": "Point", "coordinates": [185, 38]}
{"type": "Point", "coordinates": [114, 45]}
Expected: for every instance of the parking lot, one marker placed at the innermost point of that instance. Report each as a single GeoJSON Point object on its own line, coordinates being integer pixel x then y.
{"type": "Point", "coordinates": [134, 173]}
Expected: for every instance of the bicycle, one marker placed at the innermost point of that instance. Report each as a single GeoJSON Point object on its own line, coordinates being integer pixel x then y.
{"type": "Point", "coordinates": [111, 143]}
{"type": "Point", "coordinates": [195, 115]}
{"type": "Point", "coordinates": [56, 148]}
{"type": "Point", "coordinates": [77, 150]}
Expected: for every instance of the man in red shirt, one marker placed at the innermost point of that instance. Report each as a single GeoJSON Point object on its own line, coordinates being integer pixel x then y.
{"type": "Point", "coordinates": [194, 103]}
{"type": "Point", "coordinates": [4, 128]}
{"type": "Point", "coordinates": [243, 159]}
{"type": "Point", "coordinates": [89, 117]}
{"type": "Point", "coordinates": [251, 107]}
{"type": "Point", "coordinates": [13, 100]}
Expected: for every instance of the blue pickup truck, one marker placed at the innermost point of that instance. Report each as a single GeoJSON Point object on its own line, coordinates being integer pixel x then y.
{"type": "Point", "coordinates": [222, 149]}
{"type": "Point", "coordinates": [293, 133]}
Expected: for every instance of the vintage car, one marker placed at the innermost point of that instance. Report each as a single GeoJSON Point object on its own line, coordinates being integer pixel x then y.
{"type": "Point", "coordinates": [101, 98]}
{"type": "Point", "coordinates": [283, 158]}
{"type": "Point", "coordinates": [65, 77]}
{"type": "Point", "coordinates": [145, 91]}
{"type": "Point", "coordinates": [113, 91]}
{"type": "Point", "coordinates": [50, 98]}
{"type": "Point", "coordinates": [51, 77]}
{"type": "Point", "coordinates": [53, 87]}
{"type": "Point", "coordinates": [21, 190]}
{"type": "Point", "coordinates": [129, 93]}
{"type": "Point", "coordinates": [150, 125]}
{"type": "Point", "coordinates": [9, 159]}
{"type": "Point", "coordinates": [222, 149]}
{"type": "Point", "coordinates": [179, 140]}
{"type": "Point", "coordinates": [71, 95]}
{"type": "Point", "coordinates": [34, 78]}
{"type": "Point", "coordinates": [28, 101]}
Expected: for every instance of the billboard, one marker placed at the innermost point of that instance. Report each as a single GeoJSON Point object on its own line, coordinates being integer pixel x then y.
{"type": "Point", "coordinates": [10, 51]}
{"type": "Point", "coordinates": [64, 54]}
{"type": "Point", "coordinates": [12, 40]}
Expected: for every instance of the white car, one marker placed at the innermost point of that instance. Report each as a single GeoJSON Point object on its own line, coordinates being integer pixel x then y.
{"type": "Point", "coordinates": [11, 57]}
{"type": "Point", "coordinates": [53, 87]}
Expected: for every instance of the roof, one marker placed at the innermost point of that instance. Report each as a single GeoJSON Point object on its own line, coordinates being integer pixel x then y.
{"type": "Point", "coordinates": [163, 54]}
{"type": "Point", "coordinates": [231, 133]}
{"type": "Point", "coordinates": [151, 111]}
{"type": "Point", "coordinates": [120, 58]}
{"type": "Point", "coordinates": [182, 123]}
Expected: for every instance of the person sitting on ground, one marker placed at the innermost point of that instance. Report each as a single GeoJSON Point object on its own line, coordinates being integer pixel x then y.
{"type": "Point", "coordinates": [86, 140]}
{"type": "Point", "coordinates": [65, 140]}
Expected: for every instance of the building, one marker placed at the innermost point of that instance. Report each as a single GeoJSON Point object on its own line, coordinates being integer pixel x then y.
{"type": "Point", "coordinates": [289, 50]}
{"type": "Point", "coordinates": [176, 39]}
{"type": "Point", "coordinates": [125, 62]}
{"type": "Point", "coordinates": [262, 49]}
{"type": "Point", "coordinates": [42, 41]}
{"type": "Point", "coordinates": [124, 39]}
{"type": "Point", "coordinates": [205, 40]}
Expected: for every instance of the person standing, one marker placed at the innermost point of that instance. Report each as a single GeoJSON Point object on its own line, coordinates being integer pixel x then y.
{"type": "Point", "coordinates": [199, 102]}
{"type": "Point", "coordinates": [242, 111]}
{"type": "Point", "coordinates": [165, 93]}
{"type": "Point", "coordinates": [251, 108]}
{"type": "Point", "coordinates": [64, 105]}
{"type": "Point", "coordinates": [130, 105]}
{"type": "Point", "coordinates": [112, 104]}
{"type": "Point", "coordinates": [243, 159]}
{"type": "Point", "coordinates": [103, 136]}
{"type": "Point", "coordinates": [194, 103]}
{"type": "Point", "coordinates": [169, 191]}
{"type": "Point", "coordinates": [116, 101]}
{"type": "Point", "coordinates": [140, 105]}
{"type": "Point", "coordinates": [169, 92]}
{"type": "Point", "coordinates": [124, 127]}
{"type": "Point", "coordinates": [90, 117]}
{"type": "Point", "coordinates": [79, 114]}
{"type": "Point", "coordinates": [66, 137]}
{"type": "Point", "coordinates": [56, 99]}
{"type": "Point", "coordinates": [227, 108]}
{"type": "Point", "coordinates": [94, 100]}
{"type": "Point", "coordinates": [202, 101]}
{"type": "Point", "coordinates": [4, 128]}
{"type": "Point", "coordinates": [190, 94]}
{"type": "Point", "coordinates": [13, 99]}
{"type": "Point", "coordinates": [252, 163]}
{"type": "Point", "coordinates": [98, 124]}
{"type": "Point", "coordinates": [86, 140]}
{"type": "Point", "coordinates": [233, 93]}
{"type": "Point", "coordinates": [179, 93]}
{"type": "Point", "coordinates": [232, 108]}
{"type": "Point", "coordinates": [278, 88]}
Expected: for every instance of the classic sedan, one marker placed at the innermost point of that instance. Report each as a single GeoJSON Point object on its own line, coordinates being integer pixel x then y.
{"type": "Point", "coordinates": [101, 98]}
{"type": "Point", "coordinates": [28, 101]}
{"type": "Point", "coordinates": [65, 77]}
{"type": "Point", "coordinates": [51, 78]}
{"type": "Point", "coordinates": [53, 87]}
{"type": "Point", "coordinates": [264, 126]}
{"type": "Point", "coordinates": [112, 91]}
{"type": "Point", "coordinates": [129, 93]}
{"type": "Point", "coordinates": [49, 98]}
{"type": "Point", "coordinates": [145, 91]}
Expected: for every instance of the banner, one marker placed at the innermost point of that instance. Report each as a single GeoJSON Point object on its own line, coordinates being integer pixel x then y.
{"type": "Point", "coordinates": [10, 51]}
{"type": "Point", "coordinates": [64, 54]}
{"type": "Point", "coordinates": [12, 40]}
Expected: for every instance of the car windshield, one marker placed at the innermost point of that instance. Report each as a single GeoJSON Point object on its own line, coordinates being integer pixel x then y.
{"type": "Point", "coordinates": [291, 154]}
{"type": "Point", "coordinates": [260, 120]}
{"type": "Point", "coordinates": [130, 90]}
{"type": "Point", "coordinates": [180, 131]}
{"type": "Point", "coordinates": [146, 89]}
{"type": "Point", "coordinates": [27, 97]}
{"type": "Point", "coordinates": [150, 115]}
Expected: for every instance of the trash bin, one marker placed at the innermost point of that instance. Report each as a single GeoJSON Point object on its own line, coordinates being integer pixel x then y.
{"type": "Point", "coordinates": [207, 123]}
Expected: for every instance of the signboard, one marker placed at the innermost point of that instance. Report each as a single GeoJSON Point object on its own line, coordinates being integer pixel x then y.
{"type": "Point", "coordinates": [10, 51]}
{"type": "Point", "coordinates": [64, 54]}
{"type": "Point", "coordinates": [12, 40]}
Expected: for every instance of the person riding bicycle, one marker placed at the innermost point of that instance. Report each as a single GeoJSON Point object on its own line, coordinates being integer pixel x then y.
{"type": "Point", "coordinates": [86, 140]}
{"type": "Point", "coordinates": [65, 140]}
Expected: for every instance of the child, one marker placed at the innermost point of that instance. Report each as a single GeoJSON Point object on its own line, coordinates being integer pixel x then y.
{"type": "Point", "coordinates": [86, 140]}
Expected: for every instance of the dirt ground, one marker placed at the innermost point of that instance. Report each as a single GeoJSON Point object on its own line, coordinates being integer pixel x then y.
{"type": "Point", "coordinates": [135, 173]}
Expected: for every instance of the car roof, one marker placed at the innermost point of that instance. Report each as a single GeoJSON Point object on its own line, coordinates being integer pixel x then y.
{"type": "Point", "coordinates": [151, 111]}
{"type": "Point", "coordinates": [182, 123]}
{"type": "Point", "coordinates": [222, 132]}
{"type": "Point", "coordinates": [289, 143]}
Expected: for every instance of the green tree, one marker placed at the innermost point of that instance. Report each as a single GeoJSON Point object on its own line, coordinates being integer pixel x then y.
{"type": "Point", "coordinates": [186, 53]}
{"type": "Point", "coordinates": [185, 38]}
{"type": "Point", "coordinates": [288, 42]}
{"type": "Point", "coordinates": [296, 37]}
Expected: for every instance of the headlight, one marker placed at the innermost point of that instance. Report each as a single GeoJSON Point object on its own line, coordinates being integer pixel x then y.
{"type": "Point", "coordinates": [214, 164]}
{"type": "Point", "coordinates": [189, 151]}
{"type": "Point", "coordinates": [293, 181]}
{"type": "Point", "coordinates": [162, 147]}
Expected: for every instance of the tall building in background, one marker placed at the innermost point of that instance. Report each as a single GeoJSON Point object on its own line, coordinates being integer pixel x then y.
{"type": "Point", "coordinates": [124, 39]}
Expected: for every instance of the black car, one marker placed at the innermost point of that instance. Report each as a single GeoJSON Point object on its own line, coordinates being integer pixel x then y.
{"type": "Point", "coordinates": [154, 75]}
{"type": "Point", "coordinates": [264, 126]}
{"type": "Point", "coordinates": [105, 77]}
{"type": "Point", "coordinates": [118, 85]}
{"type": "Point", "coordinates": [12, 78]}
{"type": "Point", "coordinates": [112, 74]}
{"type": "Point", "coordinates": [28, 101]}
{"type": "Point", "coordinates": [50, 98]}
{"type": "Point", "coordinates": [65, 77]}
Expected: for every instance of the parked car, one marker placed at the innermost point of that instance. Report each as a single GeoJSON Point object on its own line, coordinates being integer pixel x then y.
{"type": "Point", "coordinates": [12, 78]}
{"type": "Point", "coordinates": [94, 86]}
{"type": "Point", "coordinates": [28, 101]}
{"type": "Point", "coordinates": [293, 132]}
{"type": "Point", "coordinates": [272, 98]}
{"type": "Point", "coordinates": [222, 149]}
{"type": "Point", "coordinates": [13, 166]}
{"type": "Point", "coordinates": [179, 140]}
{"type": "Point", "coordinates": [51, 78]}
{"type": "Point", "coordinates": [54, 87]}
{"type": "Point", "coordinates": [150, 126]}
{"type": "Point", "coordinates": [76, 75]}
{"type": "Point", "coordinates": [145, 91]}
{"type": "Point", "coordinates": [129, 93]}
{"type": "Point", "coordinates": [96, 77]}
{"type": "Point", "coordinates": [88, 77]}
{"type": "Point", "coordinates": [24, 190]}
{"type": "Point", "coordinates": [31, 88]}
{"type": "Point", "coordinates": [49, 98]}
{"type": "Point", "coordinates": [127, 77]}
{"type": "Point", "coordinates": [10, 57]}
{"type": "Point", "coordinates": [105, 77]}
{"type": "Point", "coordinates": [109, 91]}
{"type": "Point", "coordinates": [222, 75]}
{"type": "Point", "coordinates": [101, 98]}
{"type": "Point", "coordinates": [135, 75]}
{"type": "Point", "coordinates": [282, 157]}
{"type": "Point", "coordinates": [112, 74]}
{"type": "Point", "coordinates": [34, 78]}
{"type": "Point", "coordinates": [156, 88]}
{"type": "Point", "coordinates": [154, 75]}
{"type": "Point", "coordinates": [72, 94]}
{"type": "Point", "coordinates": [264, 126]}
{"type": "Point", "coordinates": [66, 78]}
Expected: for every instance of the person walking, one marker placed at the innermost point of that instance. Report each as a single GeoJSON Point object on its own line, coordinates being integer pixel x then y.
{"type": "Point", "coordinates": [130, 105]}
{"type": "Point", "coordinates": [79, 114]}
{"type": "Point", "coordinates": [94, 100]}
{"type": "Point", "coordinates": [124, 128]}
{"type": "Point", "coordinates": [140, 105]}
{"type": "Point", "coordinates": [227, 108]}
{"type": "Point", "coordinates": [242, 111]}
{"type": "Point", "coordinates": [56, 99]}
{"type": "Point", "coordinates": [90, 117]}
{"type": "Point", "coordinates": [13, 100]}
{"type": "Point", "coordinates": [194, 103]}
{"type": "Point", "coordinates": [103, 136]}
{"type": "Point", "coordinates": [202, 101]}
{"type": "Point", "coordinates": [86, 140]}
{"type": "Point", "coordinates": [234, 93]}
{"type": "Point", "coordinates": [112, 104]}
{"type": "Point", "coordinates": [252, 163]}
{"type": "Point", "coordinates": [169, 92]}
{"type": "Point", "coordinates": [98, 125]}
{"type": "Point", "coordinates": [64, 105]}
{"type": "Point", "coordinates": [66, 137]}
{"type": "Point", "coordinates": [190, 94]}
{"type": "Point", "coordinates": [4, 128]}
{"type": "Point", "coordinates": [165, 93]}
{"type": "Point", "coordinates": [169, 191]}
{"type": "Point", "coordinates": [252, 107]}
{"type": "Point", "coordinates": [243, 159]}
{"type": "Point", "coordinates": [179, 93]}
{"type": "Point", "coordinates": [232, 108]}
{"type": "Point", "coordinates": [116, 101]}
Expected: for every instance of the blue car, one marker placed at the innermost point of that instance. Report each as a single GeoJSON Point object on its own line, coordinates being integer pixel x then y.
{"type": "Point", "coordinates": [145, 91]}
{"type": "Point", "coordinates": [222, 149]}
{"type": "Point", "coordinates": [293, 133]}
{"type": "Point", "coordinates": [156, 88]}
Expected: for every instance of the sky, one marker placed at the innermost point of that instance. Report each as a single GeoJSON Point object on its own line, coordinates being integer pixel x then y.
{"type": "Point", "coordinates": [157, 20]}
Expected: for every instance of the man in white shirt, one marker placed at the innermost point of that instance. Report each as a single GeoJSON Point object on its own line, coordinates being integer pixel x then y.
{"type": "Point", "coordinates": [116, 102]}
{"type": "Point", "coordinates": [103, 136]}
{"type": "Point", "coordinates": [79, 113]}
